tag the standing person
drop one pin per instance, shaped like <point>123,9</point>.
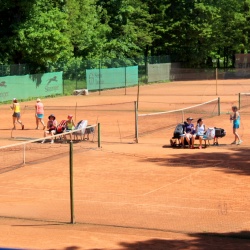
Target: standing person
<point>51,127</point>
<point>17,114</point>
<point>200,130</point>
<point>235,117</point>
<point>189,133</point>
<point>39,113</point>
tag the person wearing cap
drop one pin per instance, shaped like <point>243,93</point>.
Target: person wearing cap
<point>17,113</point>
<point>51,127</point>
<point>39,113</point>
<point>70,125</point>
<point>189,133</point>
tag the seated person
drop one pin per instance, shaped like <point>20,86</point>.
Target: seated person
<point>51,127</point>
<point>189,133</point>
<point>200,130</point>
<point>70,125</point>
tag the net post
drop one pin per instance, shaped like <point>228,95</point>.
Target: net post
<point>72,214</point>
<point>24,153</point>
<point>218,106</point>
<point>239,101</point>
<point>99,135</point>
<point>136,122</point>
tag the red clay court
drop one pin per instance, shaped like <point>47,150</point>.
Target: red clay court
<point>128,195</point>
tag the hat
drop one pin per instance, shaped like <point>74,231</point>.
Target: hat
<point>189,118</point>
<point>52,116</point>
<point>14,99</point>
<point>38,99</point>
<point>70,116</point>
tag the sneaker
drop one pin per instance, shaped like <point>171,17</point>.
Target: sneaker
<point>239,142</point>
<point>234,142</point>
<point>192,147</point>
<point>22,127</point>
<point>200,147</point>
<point>52,141</point>
<point>42,141</point>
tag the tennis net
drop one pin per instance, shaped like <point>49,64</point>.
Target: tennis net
<point>152,122</point>
<point>243,100</point>
<point>18,154</point>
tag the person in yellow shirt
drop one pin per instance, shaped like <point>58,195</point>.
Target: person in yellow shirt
<point>17,114</point>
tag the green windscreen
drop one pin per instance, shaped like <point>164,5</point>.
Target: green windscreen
<point>28,86</point>
<point>98,79</point>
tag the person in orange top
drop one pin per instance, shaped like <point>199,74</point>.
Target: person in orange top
<point>39,113</point>
<point>17,114</point>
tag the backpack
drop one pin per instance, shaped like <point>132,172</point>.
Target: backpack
<point>61,127</point>
<point>219,132</point>
<point>210,134</point>
<point>179,130</point>
<point>81,125</point>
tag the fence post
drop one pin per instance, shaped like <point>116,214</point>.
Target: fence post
<point>72,213</point>
<point>136,123</point>
<point>99,77</point>
<point>99,135</point>
<point>218,105</point>
<point>239,101</point>
<point>216,76</point>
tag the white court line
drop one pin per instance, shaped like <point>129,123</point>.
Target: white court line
<point>157,189</point>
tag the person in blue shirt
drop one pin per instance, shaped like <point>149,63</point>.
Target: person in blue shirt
<point>235,117</point>
<point>189,133</point>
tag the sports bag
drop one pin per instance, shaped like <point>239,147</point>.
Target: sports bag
<point>61,127</point>
<point>210,134</point>
<point>220,132</point>
<point>82,126</point>
<point>179,130</point>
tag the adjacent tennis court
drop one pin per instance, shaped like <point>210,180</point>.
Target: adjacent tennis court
<point>126,185</point>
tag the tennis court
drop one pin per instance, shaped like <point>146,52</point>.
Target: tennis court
<point>126,188</point>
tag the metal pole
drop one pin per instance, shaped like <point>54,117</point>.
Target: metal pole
<point>218,105</point>
<point>71,183</point>
<point>125,80</point>
<point>239,101</point>
<point>216,73</point>
<point>136,123</point>
<point>24,153</point>
<point>99,77</point>
<point>99,135</point>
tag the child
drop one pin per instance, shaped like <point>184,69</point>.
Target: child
<point>51,127</point>
<point>235,117</point>
<point>70,125</point>
<point>17,114</point>
<point>200,130</point>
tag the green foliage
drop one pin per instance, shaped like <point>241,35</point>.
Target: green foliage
<point>45,33</point>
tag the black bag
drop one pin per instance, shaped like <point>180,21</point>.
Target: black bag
<point>179,130</point>
<point>220,132</point>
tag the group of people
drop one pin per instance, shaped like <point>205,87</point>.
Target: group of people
<point>50,127</point>
<point>192,132</point>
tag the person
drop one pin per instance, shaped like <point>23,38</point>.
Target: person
<point>189,133</point>
<point>39,113</point>
<point>70,125</point>
<point>51,128</point>
<point>17,113</point>
<point>235,117</point>
<point>200,130</point>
